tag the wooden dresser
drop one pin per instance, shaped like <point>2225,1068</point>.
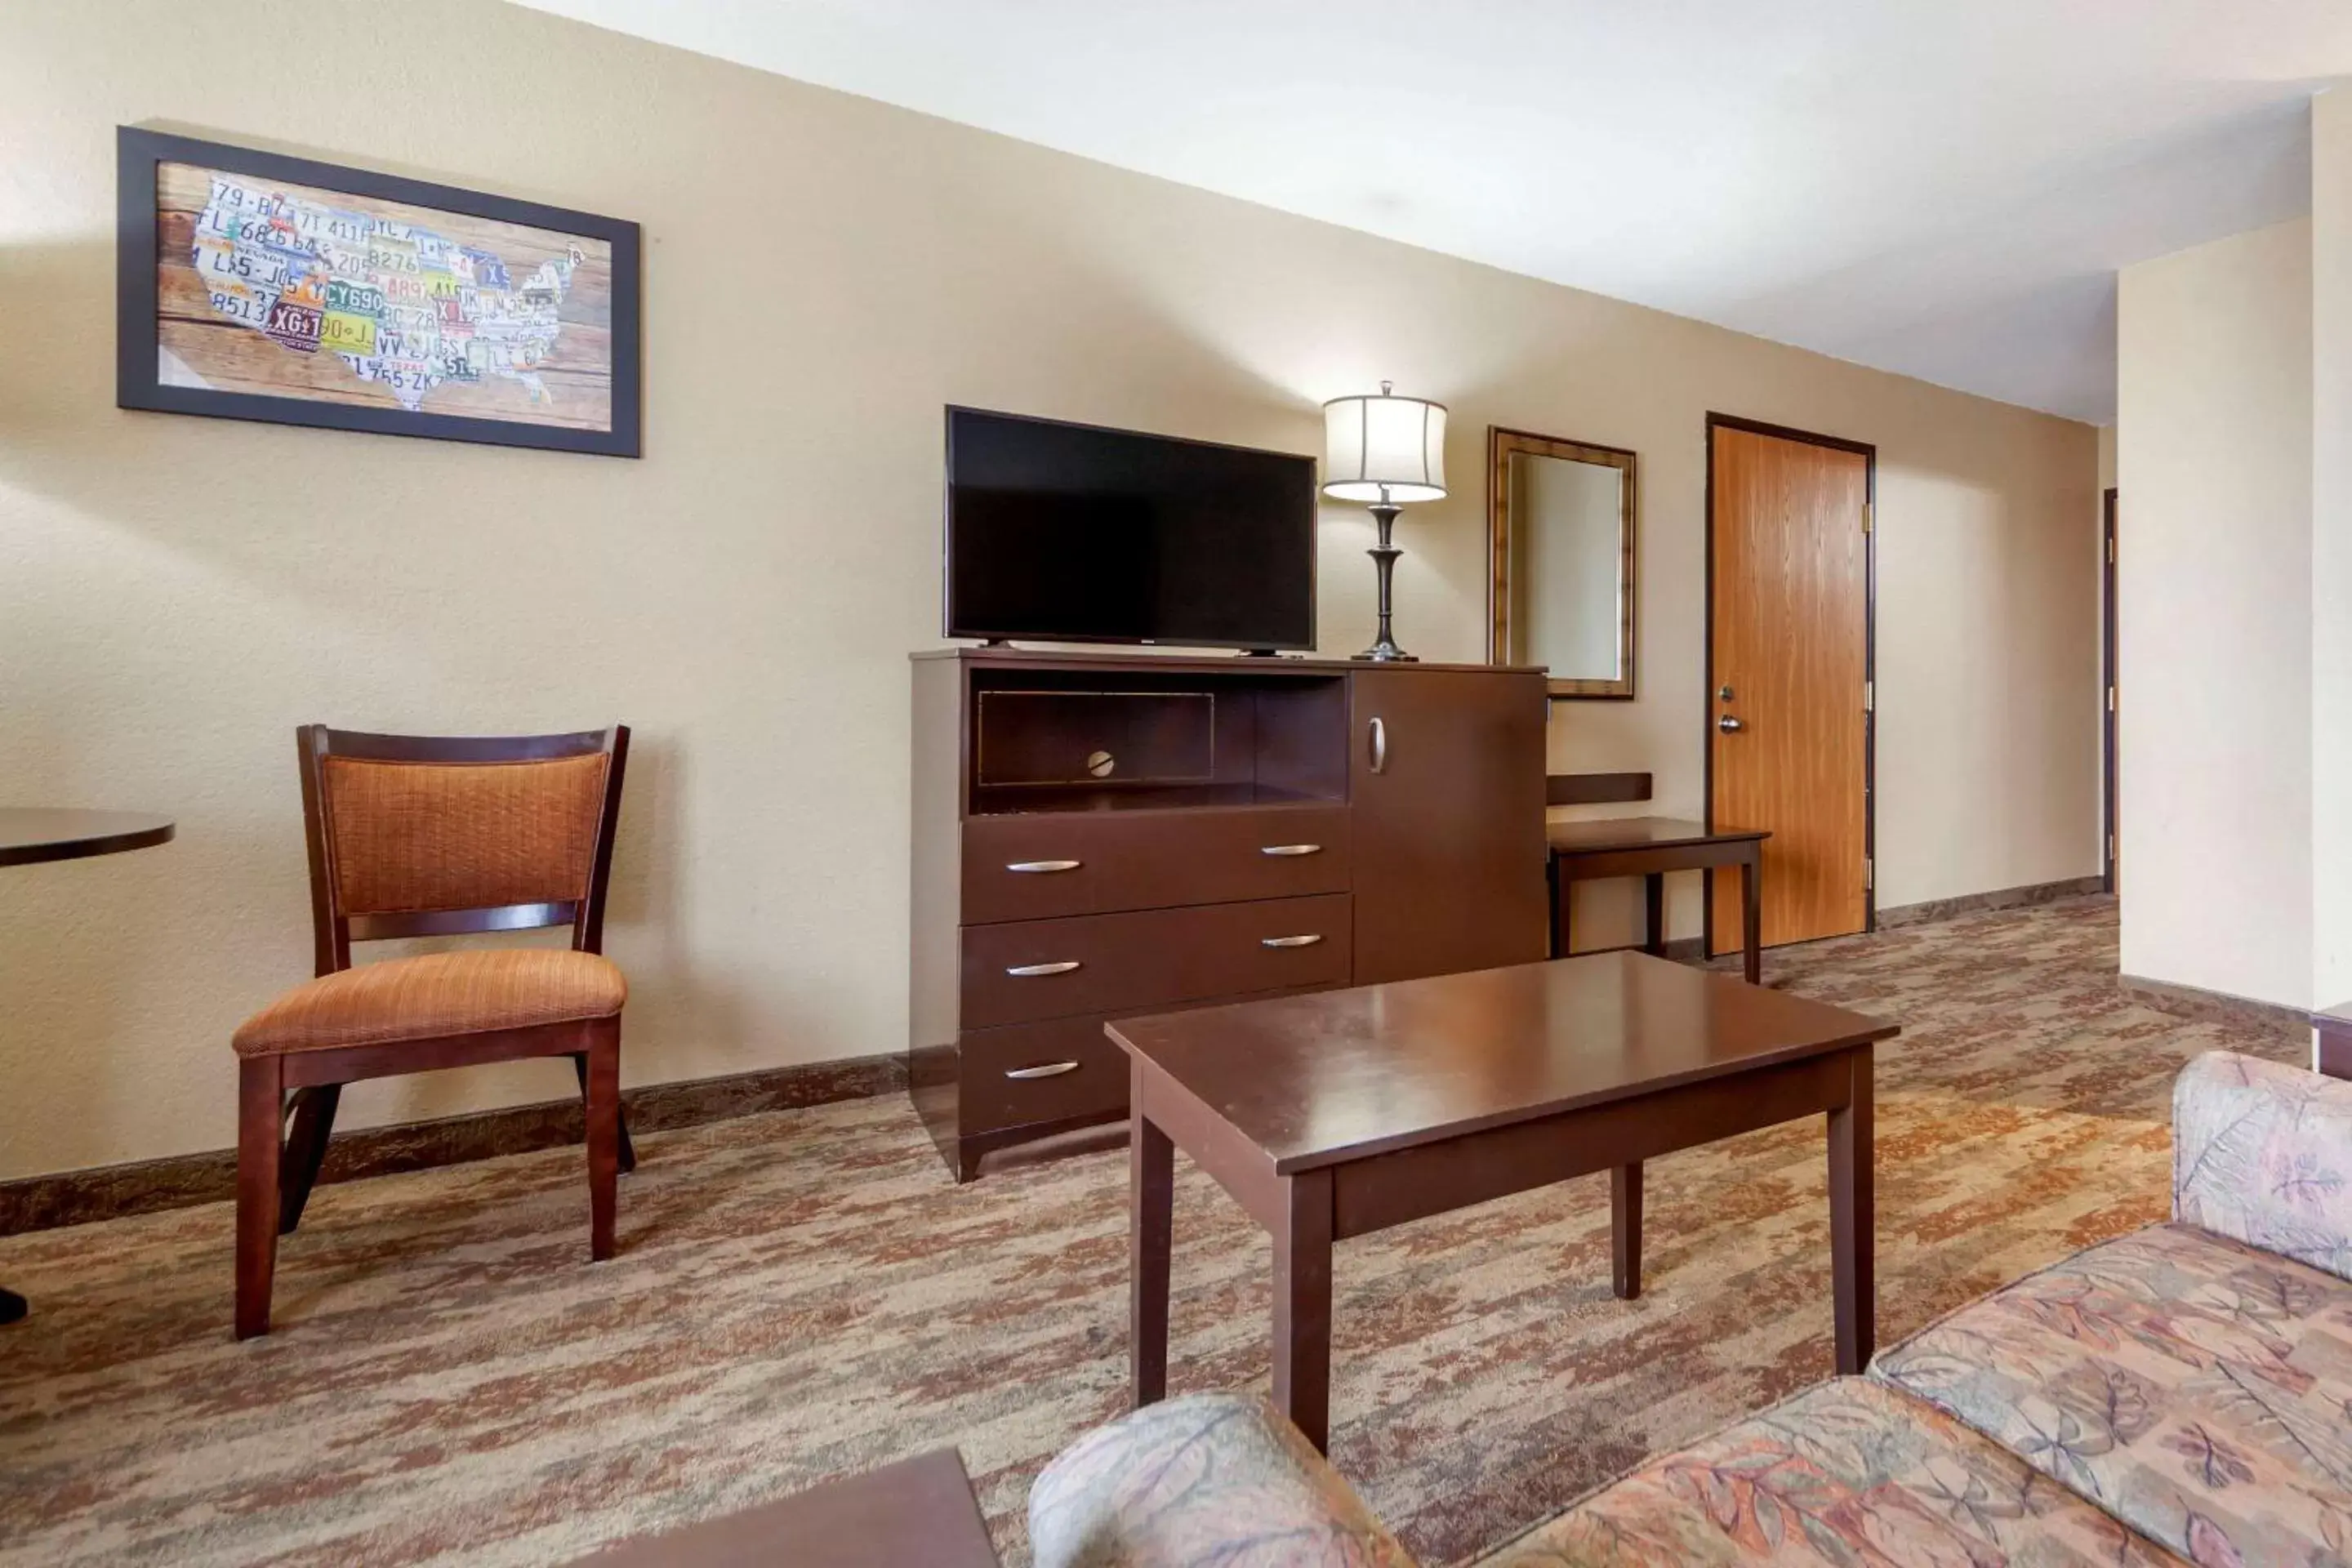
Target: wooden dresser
<point>1101,835</point>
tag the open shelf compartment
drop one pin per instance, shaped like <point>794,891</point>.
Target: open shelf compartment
<point>1086,740</point>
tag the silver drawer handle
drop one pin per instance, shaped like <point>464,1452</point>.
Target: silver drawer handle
<point>1044,1070</point>
<point>1292,849</point>
<point>1025,970</point>
<point>1307,941</point>
<point>1037,866</point>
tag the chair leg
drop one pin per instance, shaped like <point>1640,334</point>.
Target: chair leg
<point>260,1102</point>
<point>305,1150</point>
<point>628,1150</point>
<point>601,1069</point>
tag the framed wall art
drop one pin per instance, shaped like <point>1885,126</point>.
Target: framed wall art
<point>258,285</point>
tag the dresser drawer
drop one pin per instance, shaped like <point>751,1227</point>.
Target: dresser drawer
<point>1035,866</point>
<point>1046,864</point>
<point>1034,970</point>
<point>1028,1073</point>
<point>1214,856</point>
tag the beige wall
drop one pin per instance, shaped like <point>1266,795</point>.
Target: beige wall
<point>822,274</point>
<point>2331,544</point>
<point>2214,465</point>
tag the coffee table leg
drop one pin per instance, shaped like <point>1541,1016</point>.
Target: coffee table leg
<point>1625,1230</point>
<point>1556,891</point>
<point>1302,1307</point>
<point>13,1307</point>
<point>1654,906</point>
<point>1751,914</point>
<point>1852,1237</point>
<point>1151,1170</point>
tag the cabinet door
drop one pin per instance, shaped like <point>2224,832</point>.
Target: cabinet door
<point>1446,784</point>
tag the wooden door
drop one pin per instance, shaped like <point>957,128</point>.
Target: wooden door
<point>1446,791</point>
<point>1787,698</point>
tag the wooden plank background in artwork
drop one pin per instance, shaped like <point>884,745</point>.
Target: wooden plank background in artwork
<point>232,358</point>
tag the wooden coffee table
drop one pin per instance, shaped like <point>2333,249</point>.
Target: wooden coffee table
<point>1336,1115</point>
<point>917,1513</point>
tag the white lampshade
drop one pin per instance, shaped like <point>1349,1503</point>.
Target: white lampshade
<point>1384,449</point>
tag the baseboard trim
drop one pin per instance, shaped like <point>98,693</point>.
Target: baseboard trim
<point>115,1192</point>
<point>2216,1006</point>
<point>1999,899</point>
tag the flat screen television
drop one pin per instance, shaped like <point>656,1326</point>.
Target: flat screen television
<point>1062,532</point>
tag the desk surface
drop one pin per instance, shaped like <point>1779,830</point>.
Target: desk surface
<point>1639,833</point>
<point>916,1512</point>
<point>33,833</point>
<point>1340,1076</point>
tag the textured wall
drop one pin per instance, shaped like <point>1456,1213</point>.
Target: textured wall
<point>2331,545</point>
<point>822,274</point>
<point>2214,473</point>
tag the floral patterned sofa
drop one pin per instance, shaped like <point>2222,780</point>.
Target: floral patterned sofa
<point>2180,1394</point>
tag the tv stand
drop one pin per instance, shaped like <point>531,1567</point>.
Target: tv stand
<point>1103,836</point>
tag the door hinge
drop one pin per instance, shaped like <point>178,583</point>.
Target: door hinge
<point>2111,551</point>
<point>1870,696</point>
<point>1869,516</point>
<point>1869,875</point>
<point>2111,698</point>
<point>2111,846</point>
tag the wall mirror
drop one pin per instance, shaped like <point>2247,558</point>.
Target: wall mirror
<point>1560,549</point>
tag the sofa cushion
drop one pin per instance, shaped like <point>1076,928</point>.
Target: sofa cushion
<point>2192,1386</point>
<point>1204,1479</point>
<point>1848,1472</point>
<point>2262,1153</point>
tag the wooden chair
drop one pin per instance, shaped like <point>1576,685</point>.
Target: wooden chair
<point>417,835</point>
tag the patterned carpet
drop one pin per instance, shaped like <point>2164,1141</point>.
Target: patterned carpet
<point>804,1293</point>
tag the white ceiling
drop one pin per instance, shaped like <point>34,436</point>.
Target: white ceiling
<point>1940,187</point>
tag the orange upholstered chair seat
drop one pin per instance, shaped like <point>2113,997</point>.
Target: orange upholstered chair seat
<point>438,994</point>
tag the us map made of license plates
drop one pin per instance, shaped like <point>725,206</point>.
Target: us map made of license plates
<point>405,307</point>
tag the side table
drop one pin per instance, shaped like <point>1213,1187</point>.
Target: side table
<point>33,834</point>
<point>1649,847</point>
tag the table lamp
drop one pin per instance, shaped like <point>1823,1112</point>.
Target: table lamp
<point>1384,451</point>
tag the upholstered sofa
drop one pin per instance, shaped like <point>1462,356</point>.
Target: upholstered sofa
<point>2180,1394</point>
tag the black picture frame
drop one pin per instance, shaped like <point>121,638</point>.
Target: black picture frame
<point>138,306</point>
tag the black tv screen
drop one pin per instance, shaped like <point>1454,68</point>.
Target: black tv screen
<point>1072,534</point>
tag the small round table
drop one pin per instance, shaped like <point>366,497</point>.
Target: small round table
<point>31,834</point>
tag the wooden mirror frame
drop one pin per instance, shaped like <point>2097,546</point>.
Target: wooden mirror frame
<point>1501,445</point>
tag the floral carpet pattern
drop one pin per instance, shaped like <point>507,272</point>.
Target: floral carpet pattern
<point>803,1294</point>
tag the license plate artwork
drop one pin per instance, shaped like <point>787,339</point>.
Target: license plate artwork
<point>305,293</point>
<point>407,309</point>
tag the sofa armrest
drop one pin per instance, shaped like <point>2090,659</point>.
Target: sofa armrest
<point>2262,1153</point>
<point>1206,1478</point>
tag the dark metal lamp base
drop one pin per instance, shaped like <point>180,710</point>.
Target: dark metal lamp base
<point>1384,558</point>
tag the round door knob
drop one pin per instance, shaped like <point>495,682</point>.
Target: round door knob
<point>1728,723</point>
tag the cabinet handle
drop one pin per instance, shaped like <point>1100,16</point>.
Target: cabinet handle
<point>1026,969</point>
<point>1379,746</point>
<point>1038,866</point>
<point>1291,849</point>
<point>1044,1070</point>
<point>1307,941</point>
